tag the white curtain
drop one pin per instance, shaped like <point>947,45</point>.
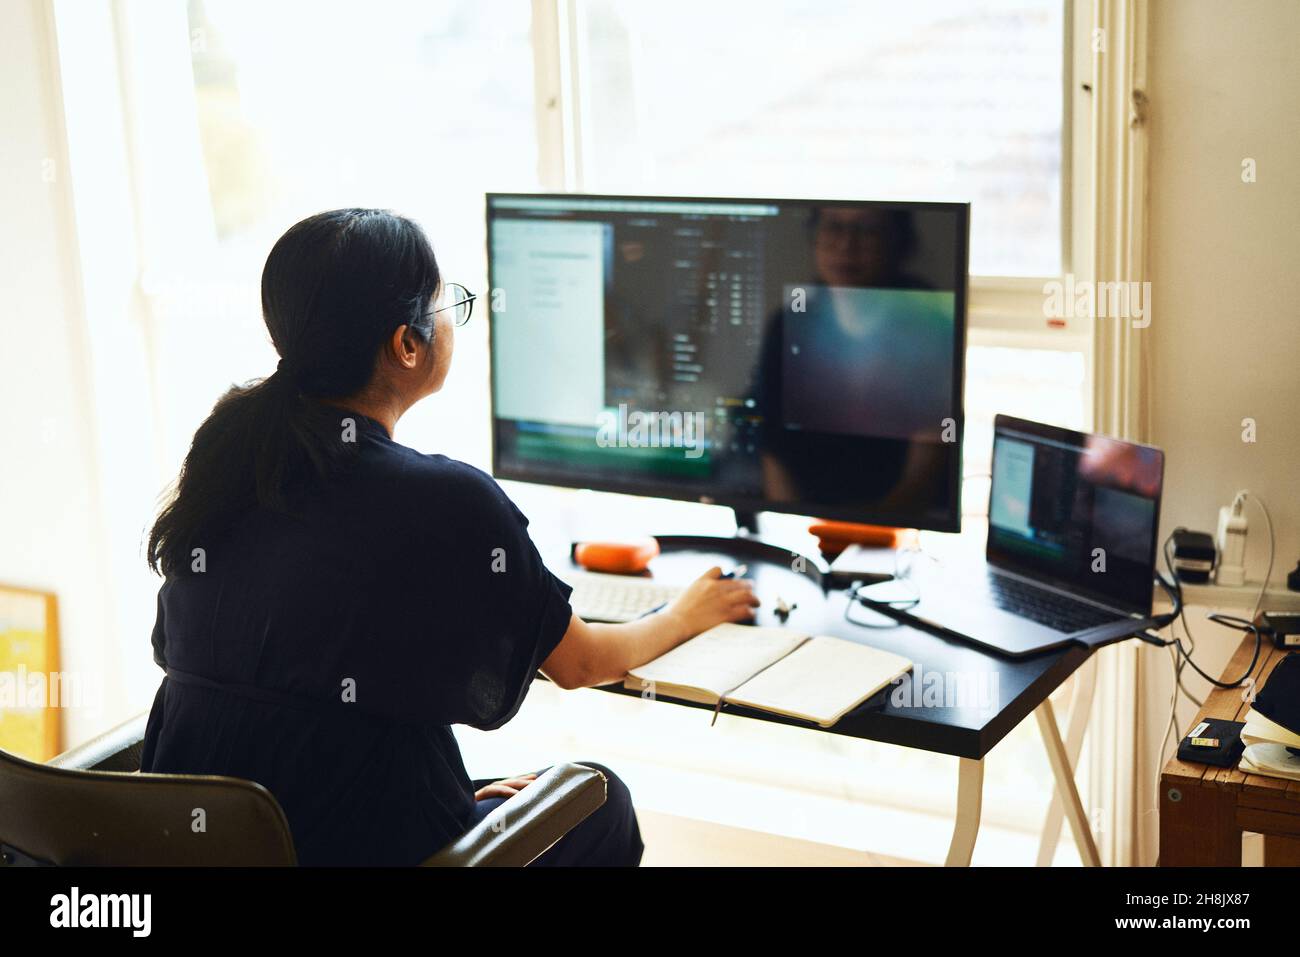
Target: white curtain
<point>1118,41</point>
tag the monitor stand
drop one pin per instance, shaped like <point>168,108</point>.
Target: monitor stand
<point>746,546</point>
<point>746,522</point>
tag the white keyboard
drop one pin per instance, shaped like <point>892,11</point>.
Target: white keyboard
<point>616,598</point>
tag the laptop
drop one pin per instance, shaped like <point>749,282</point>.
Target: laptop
<point>1071,552</point>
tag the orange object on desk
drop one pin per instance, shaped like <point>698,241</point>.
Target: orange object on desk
<point>620,558</point>
<point>834,537</point>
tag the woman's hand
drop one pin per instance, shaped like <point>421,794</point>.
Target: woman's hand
<point>593,653</point>
<point>711,600</point>
<point>505,788</point>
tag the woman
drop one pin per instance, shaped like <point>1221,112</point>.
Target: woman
<point>335,601</point>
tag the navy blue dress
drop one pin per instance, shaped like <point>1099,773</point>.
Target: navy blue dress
<point>326,652</point>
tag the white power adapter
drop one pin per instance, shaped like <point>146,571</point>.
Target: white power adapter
<point>1231,540</point>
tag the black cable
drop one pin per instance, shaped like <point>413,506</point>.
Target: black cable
<point>887,622</point>
<point>1228,621</point>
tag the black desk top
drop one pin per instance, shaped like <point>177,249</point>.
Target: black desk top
<point>950,719</point>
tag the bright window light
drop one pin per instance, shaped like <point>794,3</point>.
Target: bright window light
<point>842,99</point>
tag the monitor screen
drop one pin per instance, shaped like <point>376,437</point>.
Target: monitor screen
<point>1075,509</point>
<point>784,355</point>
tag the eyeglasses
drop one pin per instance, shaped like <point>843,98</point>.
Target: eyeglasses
<point>459,300</point>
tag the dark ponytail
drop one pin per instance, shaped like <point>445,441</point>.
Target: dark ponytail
<point>334,288</point>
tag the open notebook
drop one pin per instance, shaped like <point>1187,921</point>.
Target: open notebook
<point>818,679</point>
<point>1272,731</point>
<point>1270,748</point>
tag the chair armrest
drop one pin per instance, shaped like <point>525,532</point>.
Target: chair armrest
<point>117,749</point>
<point>522,828</point>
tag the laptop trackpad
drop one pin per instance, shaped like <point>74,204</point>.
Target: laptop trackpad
<point>989,626</point>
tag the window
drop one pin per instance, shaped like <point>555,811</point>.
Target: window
<point>842,99</point>
<point>438,104</point>
<point>309,106</point>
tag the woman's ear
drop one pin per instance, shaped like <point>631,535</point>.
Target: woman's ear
<point>404,346</point>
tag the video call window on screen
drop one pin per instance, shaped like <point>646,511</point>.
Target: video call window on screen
<point>814,349</point>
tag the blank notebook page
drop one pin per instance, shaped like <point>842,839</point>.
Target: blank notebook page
<point>720,658</point>
<point>822,680</point>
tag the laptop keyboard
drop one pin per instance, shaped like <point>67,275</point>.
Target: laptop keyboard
<point>1046,607</point>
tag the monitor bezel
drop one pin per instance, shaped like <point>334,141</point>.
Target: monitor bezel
<point>739,503</point>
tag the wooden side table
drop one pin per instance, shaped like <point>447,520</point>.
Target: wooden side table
<point>1204,810</point>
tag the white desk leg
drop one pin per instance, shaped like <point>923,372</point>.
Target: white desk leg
<point>1065,788</point>
<point>970,795</point>
<point>1085,684</point>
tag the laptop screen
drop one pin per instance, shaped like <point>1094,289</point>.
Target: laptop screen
<point>1077,511</point>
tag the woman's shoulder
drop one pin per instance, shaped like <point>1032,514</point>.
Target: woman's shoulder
<point>457,487</point>
<point>423,467</point>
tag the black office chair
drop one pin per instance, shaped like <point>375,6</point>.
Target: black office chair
<point>92,806</point>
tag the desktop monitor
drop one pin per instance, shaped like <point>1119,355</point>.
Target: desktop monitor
<point>800,356</point>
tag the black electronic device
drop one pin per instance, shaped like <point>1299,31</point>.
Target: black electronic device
<point>801,356</point>
<point>1214,741</point>
<point>1284,626</point>
<point>1194,555</point>
<point>1071,548</point>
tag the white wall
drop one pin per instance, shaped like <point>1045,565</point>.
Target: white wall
<point>1225,284</point>
<point>52,534</point>
<point>1224,76</point>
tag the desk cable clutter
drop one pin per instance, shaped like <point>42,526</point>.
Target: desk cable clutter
<point>1222,746</point>
<point>1175,591</point>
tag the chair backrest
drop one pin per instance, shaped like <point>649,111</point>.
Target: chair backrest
<point>53,815</point>
<point>87,807</point>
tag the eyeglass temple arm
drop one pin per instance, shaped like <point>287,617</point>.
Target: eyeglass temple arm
<point>453,305</point>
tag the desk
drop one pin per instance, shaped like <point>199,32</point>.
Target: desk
<point>1203,810</point>
<point>966,732</point>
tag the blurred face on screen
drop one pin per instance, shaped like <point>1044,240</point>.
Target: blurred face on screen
<point>851,247</point>
<point>1131,467</point>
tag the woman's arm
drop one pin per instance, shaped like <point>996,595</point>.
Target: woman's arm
<point>592,654</point>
